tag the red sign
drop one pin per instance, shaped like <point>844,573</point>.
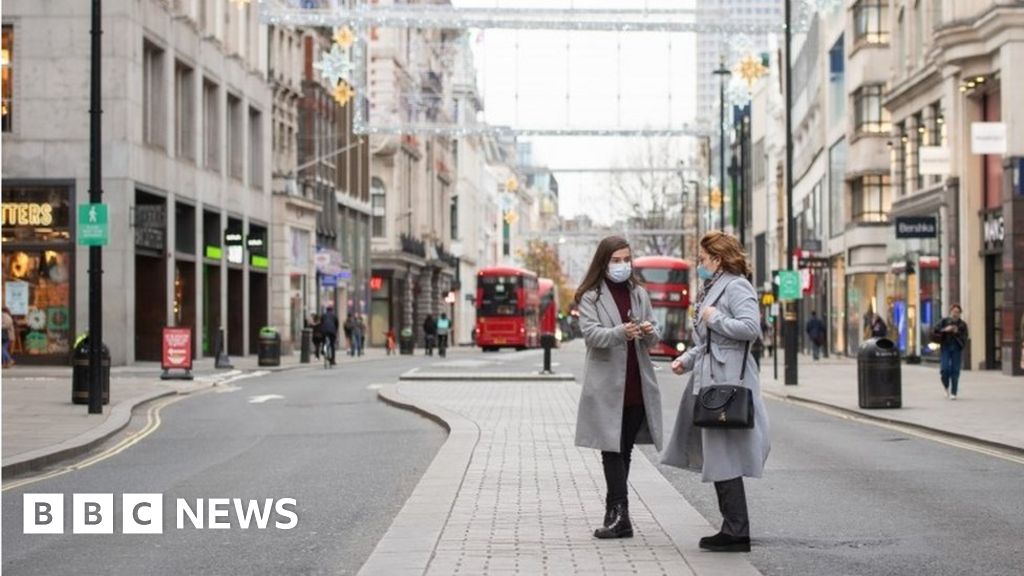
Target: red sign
<point>177,349</point>
<point>376,283</point>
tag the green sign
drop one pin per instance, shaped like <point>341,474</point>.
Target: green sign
<point>93,225</point>
<point>789,285</point>
<point>260,261</point>
<point>214,252</point>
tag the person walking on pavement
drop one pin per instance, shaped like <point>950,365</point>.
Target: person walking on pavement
<point>318,335</point>
<point>951,334</point>
<point>816,333</point>
<point>443,327</point>
<point>878,327</point>
<point>620,404</point>
<point>429,334</point>
<point>358,335</point>
<point>8,337</point>
<point>726,312</point>
<point>329,328</point>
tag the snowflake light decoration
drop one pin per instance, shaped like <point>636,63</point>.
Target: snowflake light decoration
<point>335,65</point>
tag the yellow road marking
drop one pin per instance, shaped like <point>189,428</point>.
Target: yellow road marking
<point>903,429</point>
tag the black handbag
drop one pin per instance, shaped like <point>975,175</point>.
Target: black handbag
<point>725,405</point>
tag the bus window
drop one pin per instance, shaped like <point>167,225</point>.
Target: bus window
<point>663,276</point>
<point>499,295</point>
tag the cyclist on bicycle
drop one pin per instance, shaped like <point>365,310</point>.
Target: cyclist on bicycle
<point>329,329</point>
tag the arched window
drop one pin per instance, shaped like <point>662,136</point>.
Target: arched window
<point>377,204</point>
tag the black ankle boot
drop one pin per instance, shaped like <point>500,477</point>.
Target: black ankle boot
<point>619,525</point>
<point>723,542</point>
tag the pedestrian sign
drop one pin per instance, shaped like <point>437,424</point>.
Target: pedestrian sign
<point>93,225</point>
<point>789,285</point>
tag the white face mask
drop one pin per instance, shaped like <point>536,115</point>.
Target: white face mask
<point>620,271</point>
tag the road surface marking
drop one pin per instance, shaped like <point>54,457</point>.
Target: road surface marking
<point>264,398</point>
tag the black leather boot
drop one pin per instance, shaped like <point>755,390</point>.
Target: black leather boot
<point>619,526</point>
<point>609,515</point>
<point>723,542</point>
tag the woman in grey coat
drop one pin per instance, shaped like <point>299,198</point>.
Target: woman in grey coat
<point>727,308</point>
<point>620,404</point>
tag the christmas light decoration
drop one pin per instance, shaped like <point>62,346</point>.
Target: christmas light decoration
<point>343,93</point>
<point>335,65</point>
<point>344,37</point>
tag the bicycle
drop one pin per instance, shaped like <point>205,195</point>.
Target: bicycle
<point>327,352</point>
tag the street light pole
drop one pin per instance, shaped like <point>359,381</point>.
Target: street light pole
<point>95,197</point>
<point>723,74</point>
<point>790,324</point>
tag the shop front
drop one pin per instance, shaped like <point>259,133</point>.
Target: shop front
<point>914,285</point>
<point>39,270</point>
<point>993,234</point>
<point>259,283</point>
<point>865,296</point>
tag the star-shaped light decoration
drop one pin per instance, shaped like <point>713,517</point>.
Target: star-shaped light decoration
<point>511,185</point>
<point>344,37</point>
<point>335,65</point>
<point>750,69</point>
<point>343,93</point>
<point>511,218</point>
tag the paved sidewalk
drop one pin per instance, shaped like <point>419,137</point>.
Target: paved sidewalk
<point>509,493</point>
<point>988,407</point>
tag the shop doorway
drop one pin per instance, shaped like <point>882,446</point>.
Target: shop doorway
<point>150,309</point>
<point>258,303</point>
<point>211,308</point>
<point>994,312</point>
<point>236,312</point>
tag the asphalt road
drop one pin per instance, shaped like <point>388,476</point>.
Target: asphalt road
<point>324,439</point>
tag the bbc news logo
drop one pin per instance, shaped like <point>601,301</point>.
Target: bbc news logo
<point>144,514</point>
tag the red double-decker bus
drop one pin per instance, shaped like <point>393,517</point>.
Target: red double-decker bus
<point>548,308</point>
<point>668,282</point>
<point>507,308</point>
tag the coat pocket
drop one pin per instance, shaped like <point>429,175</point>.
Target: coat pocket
<point>601,354</point>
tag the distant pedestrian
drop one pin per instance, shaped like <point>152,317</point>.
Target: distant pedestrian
<point>389,338</point>
<point>878,327</point>
<point>318,335</point>
<point>951,334</point>
<point>443,327</point>
<point>620,404</point>
<point>349,343</point>
<point>8,337</point>
<point>358,335</point>
<point>816,334</point>
<point>429,334</point>
<point>726,312</point>
<point>329,328</point>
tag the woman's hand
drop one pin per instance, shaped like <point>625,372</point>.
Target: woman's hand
<point>677,367</point>
<point>632,330</point>
<point>646,328</point>
<point>707,312</point>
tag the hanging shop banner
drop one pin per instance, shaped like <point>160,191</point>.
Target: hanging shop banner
<point>177,349</point>
<point>988,138</point>
<point>933,161</point>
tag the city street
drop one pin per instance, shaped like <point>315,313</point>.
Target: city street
<point>839,496</point>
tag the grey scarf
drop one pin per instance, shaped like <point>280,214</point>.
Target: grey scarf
<point>698,305</point>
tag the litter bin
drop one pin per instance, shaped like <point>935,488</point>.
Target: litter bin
<point>879,383</point>
<point>405,341</point>
<point>269,350</point>
<point>307,345</point>
<point>80,372</point>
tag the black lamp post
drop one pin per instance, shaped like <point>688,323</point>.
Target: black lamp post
<point>790,324</point>
<point>723,74</point>
<point>95,197</point>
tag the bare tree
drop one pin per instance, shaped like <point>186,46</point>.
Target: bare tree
<point>652,200</point>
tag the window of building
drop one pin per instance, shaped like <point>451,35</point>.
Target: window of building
<point>7,71</point>
<point>377,206</point>
<point>901,46</point>
<point>255,148</point>
<point>871,198</point>
<point>870,117</point>
<point>896,162</point>
<point>184,112</point>
<point>454,216</point>
<point>837,187</point>
<point>211,127</point>
<point>917,139</point>
<point>870,22</point>
<point>152,94</point>
<point>837,81</point>
<point>235,132</point>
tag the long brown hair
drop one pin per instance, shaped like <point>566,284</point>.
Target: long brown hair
<point>728,251</point>
<point>598,266</point>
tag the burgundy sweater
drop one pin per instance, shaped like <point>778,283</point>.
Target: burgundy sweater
<point>634,395</point>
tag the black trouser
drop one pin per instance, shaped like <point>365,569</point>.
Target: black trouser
<point>616,464</point>
<point>442,344</point>
<point>732,503</point>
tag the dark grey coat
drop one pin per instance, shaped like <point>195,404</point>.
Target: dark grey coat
<point>599,418</point>
<point>722,454</point>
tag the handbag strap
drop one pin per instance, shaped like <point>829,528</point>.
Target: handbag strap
<point>746,348</point>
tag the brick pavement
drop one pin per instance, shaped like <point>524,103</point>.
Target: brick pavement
<point>517,496</point>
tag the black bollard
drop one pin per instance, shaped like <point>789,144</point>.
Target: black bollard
<point>222,359</point>
<point>307,345</point>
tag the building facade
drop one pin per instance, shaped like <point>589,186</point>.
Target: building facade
<point>186,175</point>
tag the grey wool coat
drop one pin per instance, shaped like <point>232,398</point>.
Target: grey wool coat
<point>718,453</point>
<point>599,418</point>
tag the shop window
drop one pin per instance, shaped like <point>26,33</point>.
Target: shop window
<point>38,270</point>
<point>870,22</point>
<point>7,71</point>
<point>871,198</point>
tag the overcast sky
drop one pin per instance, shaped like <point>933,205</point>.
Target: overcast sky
<point>586,80</point>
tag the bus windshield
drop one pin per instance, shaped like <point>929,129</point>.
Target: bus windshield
<point>663,276</point>
<point>498,296</point>
<point>672,322</point>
